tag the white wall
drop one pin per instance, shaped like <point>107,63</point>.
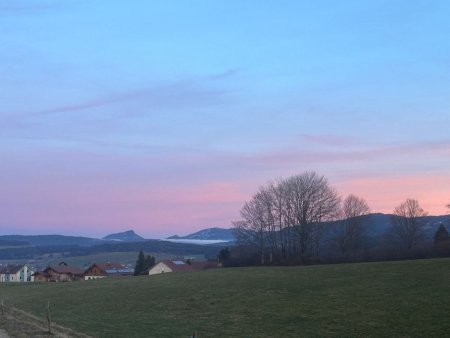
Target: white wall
<point>22,276</point>
<point>159,268</point>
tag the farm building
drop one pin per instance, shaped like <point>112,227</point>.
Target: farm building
<point>179,265</point>
<point>59,273</point>
<point>169,266</point>
<point>18,273</point>
<point>41,276</point>
<point>101,270</point>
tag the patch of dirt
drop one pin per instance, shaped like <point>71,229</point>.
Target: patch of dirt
<point>19,324</point>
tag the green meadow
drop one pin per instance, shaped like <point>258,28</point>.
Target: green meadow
<point>390,299</point>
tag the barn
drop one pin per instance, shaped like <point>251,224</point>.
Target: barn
<point>102,270</point>
<point>59,273</point>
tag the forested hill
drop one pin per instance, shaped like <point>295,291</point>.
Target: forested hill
<point>153,246</point>
<point>51,240</point>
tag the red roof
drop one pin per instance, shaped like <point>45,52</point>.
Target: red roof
<point>109,266</point>
<point>72,270</point>
<point>177,265</point>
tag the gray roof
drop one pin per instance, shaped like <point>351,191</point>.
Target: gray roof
<point>11,268</point>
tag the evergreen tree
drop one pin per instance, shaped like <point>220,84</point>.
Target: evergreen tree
<point>149,262</point>
<point>441,235</point>
<point>140,264</point>
<point>224,255</point>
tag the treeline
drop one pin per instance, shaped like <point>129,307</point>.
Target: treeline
<point>303,220</point>
<point>155,246</point>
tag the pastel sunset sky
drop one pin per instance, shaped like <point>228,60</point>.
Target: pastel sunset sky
<point>165,116</point>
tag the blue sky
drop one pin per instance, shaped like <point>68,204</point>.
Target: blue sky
<point>167,116</point>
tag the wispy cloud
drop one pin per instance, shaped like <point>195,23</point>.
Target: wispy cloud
<point>179,94</point>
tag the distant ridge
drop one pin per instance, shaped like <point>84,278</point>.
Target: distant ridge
<point>126,236</point>
<point>209,234</point>
<point>377,225</point>
<point>51,240</point>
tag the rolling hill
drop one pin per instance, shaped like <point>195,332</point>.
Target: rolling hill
<point>52,240</point>
<point>390,299</point>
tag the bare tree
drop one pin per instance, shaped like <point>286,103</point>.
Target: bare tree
<point>256,221</point>
<point>407,224</point>
<point>279,235</point>
<point>284,219</point>
<point>310,201</point>
<point>351,232</point>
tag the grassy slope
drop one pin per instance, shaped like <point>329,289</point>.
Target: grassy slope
<point>401,299</point>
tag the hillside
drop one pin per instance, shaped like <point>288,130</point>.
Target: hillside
<point>126,236</point>
<point>52,240</point>
<point>393,299</point>
<point>377,224</point>
<point>153,246</point>
<point>209,234</point>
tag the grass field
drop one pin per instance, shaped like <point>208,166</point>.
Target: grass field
<point>394,299</point>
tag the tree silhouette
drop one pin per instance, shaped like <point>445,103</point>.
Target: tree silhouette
<point>407,224</point>
<point>149,262</point>
<point>441,235</point>
<point>140,264</point>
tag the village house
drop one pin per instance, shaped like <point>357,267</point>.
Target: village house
<point>169,266</point>
<point>177,266</point>
<point>16,273</point>
<point>58,273</point>
<point>102,270</point>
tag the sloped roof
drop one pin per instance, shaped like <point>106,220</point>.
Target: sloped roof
<point>111,268</point>
<point>11,268</point>
<point>65,269</point>
<point>177,265</point>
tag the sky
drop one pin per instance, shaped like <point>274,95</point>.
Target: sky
<point>166,116</point>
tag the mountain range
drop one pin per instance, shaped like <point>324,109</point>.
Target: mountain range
<point>377,225</point>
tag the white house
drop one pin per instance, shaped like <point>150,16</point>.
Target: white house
<point>169,266</point>
<point>179,265</point>
<point>16,273</point>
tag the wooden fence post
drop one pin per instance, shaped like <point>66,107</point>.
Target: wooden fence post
<point>49,320</point>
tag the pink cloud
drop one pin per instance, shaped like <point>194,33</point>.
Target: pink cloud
<point>180,191</point>
<point>385,193</point>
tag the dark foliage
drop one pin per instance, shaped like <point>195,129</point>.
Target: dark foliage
<point>141,264</point>
<point>156,246</point>
<point>149,261</point>
<point>441,235</point>
<point>224,255</point>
